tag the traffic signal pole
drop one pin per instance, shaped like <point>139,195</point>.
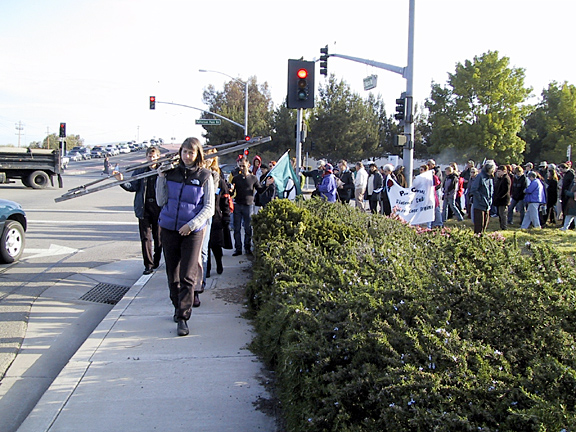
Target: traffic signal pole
<point>299,116</point>
<point>407,73</point>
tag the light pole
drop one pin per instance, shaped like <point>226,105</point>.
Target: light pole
<point>245,98</point>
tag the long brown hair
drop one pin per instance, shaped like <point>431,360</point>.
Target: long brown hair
<point>194,144</point>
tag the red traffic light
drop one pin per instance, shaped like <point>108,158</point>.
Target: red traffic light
<point>152,102</point>
<point>152,99</point>
<point>247,138</point>
<point>302,73</point>
<point>246,151</point>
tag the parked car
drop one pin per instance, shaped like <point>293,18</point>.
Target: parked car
<point>112,150</point>
<point>123,148</point>
<point>85,152</point>
<point>97,152</point>
<point>13,227</point>
<point>74,155</point>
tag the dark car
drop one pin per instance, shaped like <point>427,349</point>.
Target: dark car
<point>12,231</point>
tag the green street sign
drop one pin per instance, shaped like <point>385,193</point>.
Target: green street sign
<point>208,121</point>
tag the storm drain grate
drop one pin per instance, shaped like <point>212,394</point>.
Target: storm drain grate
<point>105,293</point>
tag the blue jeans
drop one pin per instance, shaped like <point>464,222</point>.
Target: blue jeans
<point>516,205</point>
<point>242,215</point>
<point>450,201</point>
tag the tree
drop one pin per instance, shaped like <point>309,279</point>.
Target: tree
<point>343,126</point>
<point>551,127</point>
<point>479,114</point>
<point>283,129</point>
<point>230,104</point>
<point>52,141</point>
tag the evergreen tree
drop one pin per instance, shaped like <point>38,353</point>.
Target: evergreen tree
<point>479,113</point>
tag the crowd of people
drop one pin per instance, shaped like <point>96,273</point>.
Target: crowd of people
<point>542,197</point>
<point>187,211</point>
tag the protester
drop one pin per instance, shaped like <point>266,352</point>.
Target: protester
<point>400,177</point>
<point>387,172</point>
<point>501,199</point>
<point>567,180</point>
<point>519,184</point>
<point>146,210</point>
<point>219,237</point>
<point>345,183</point>
<point>468,195</point>
<point>316,175</point>
<point>551,197</point>
<point>482,192</point>
<point>328,188</point>
<point>256,167</point>
<point>374,187</point>
<point>244,185</point>
<point>267,192</point>
<point>534,197</point>
<point>186,195</point>
<point>451,185</point>
<point>570,207</point>
<point>360,182</point>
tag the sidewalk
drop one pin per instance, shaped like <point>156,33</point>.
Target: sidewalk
<point>135,374</point>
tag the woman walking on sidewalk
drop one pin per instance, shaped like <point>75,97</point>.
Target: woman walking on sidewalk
<point>186,195</point>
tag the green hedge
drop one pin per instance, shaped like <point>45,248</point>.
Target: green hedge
<point>372,325</point>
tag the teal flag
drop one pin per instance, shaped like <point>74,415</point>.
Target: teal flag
<point>286,180</point>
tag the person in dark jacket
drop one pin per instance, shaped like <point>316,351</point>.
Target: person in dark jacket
<point>220,225</point>
<point>551,197</point>
<point>346,183</point>
<point>374,187</point>
<point>502,195</point>
<point>519,183</point>
<point>482,192</point>
<point>567,179</point>
<point>146,210</point>
<point>186,195</point>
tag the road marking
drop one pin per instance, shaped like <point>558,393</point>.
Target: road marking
<point>53,250</point>
<point>77,222</point>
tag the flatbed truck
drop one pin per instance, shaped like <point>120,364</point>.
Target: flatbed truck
<point>36,168</point>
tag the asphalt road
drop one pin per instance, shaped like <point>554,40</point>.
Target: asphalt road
<point>71,246</point>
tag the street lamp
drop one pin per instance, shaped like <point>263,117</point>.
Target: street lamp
<point>245,98</point>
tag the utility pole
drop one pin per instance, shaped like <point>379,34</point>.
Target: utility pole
<point>407,72</point>
<point>47,137</point>
<point>19,128</point>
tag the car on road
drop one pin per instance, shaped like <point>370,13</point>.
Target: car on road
<point>123,148</point>
<point>74,155</point>
<point>13,227</point>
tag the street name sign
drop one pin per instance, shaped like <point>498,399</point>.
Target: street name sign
<point>208,121</point>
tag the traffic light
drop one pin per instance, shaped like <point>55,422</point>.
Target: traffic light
<point>300,84</point>
<point>247,138</point>
<point>246,152</point>
<point>324,61</point>
<point>62,130</point>
<point>400,108</point>
<point>152,102</point>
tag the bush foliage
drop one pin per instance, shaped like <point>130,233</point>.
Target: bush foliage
<point>373,325</point>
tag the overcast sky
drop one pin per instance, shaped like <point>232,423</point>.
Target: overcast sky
<point>94,63</point>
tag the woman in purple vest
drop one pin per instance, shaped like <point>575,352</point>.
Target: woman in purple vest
<point>186,195</point>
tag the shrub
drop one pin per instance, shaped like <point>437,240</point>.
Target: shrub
<point>371,324</point>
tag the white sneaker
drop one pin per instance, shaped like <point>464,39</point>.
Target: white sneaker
<point>563,229</point>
